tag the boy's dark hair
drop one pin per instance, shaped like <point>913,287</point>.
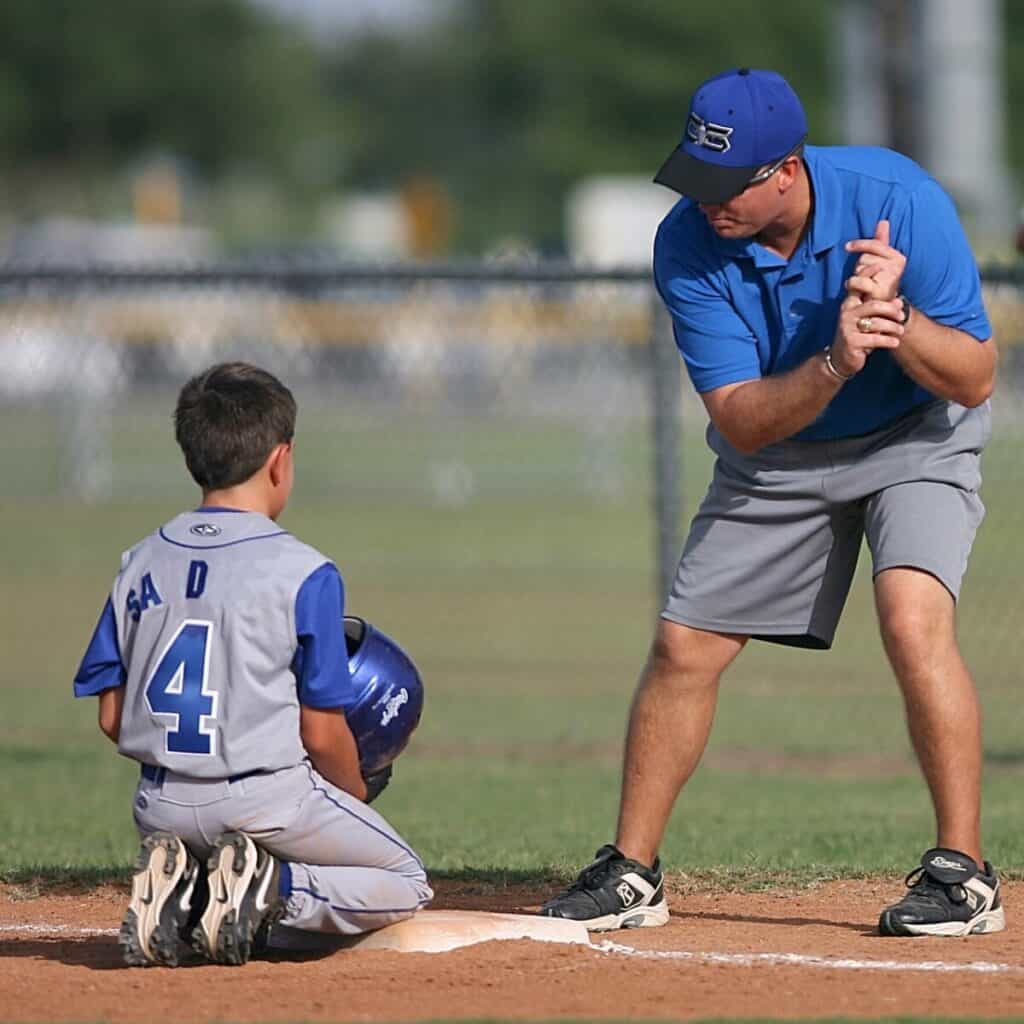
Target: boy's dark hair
<point>228,420</point>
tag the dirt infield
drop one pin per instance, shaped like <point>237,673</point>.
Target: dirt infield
<point>808,953</point>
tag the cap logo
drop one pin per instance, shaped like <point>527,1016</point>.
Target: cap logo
<point>708,134</point>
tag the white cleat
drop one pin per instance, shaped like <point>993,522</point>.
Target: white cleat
<point>162,887</point>
<point>244,900</point>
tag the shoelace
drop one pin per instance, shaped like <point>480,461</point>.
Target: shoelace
<point>931,889</point>
<point>593,873</point>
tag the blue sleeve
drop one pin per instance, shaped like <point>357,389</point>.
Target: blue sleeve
<point>101,668</point>
<point>321,658</point>
<point>716,344</point>
<point>941,277</point>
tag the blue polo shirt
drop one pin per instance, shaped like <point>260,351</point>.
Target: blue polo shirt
<point>741,312</point>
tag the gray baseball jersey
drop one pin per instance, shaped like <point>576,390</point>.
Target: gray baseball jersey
<point>219,626</point>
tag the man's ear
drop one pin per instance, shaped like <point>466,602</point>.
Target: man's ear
<point>788,174</point>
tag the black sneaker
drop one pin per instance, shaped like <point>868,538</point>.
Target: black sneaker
<point>243,902</point>
<point>158,911</point>
<point>948,895</point>
<point>613,892</point>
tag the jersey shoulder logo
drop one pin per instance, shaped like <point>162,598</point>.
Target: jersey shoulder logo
<point>205,530</point>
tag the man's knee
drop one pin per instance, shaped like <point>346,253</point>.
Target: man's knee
<point>908,632</point>
<point>689,656</point>
<point>916,618</point>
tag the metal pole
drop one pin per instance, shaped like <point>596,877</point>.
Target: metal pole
<point>963,54</point>
<point>859,41</point>
<point>666,429</point>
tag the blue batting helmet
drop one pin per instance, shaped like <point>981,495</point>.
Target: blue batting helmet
<point>389,695</point>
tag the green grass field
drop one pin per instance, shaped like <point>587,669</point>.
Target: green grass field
<point>528,608</point>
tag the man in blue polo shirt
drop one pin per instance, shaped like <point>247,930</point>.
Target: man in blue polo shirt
<point>829,312</point>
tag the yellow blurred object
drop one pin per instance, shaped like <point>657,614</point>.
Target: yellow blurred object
<point>428,215</point>
<point>157,195</point>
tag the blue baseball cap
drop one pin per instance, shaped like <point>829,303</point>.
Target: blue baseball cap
<point>739,121</point>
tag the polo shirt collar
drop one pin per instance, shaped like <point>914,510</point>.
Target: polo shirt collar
<point>826,223</point>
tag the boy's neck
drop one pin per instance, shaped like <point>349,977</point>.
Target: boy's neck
<point>239,499</point>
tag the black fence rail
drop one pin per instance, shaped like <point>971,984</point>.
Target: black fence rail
<point>449,360</point>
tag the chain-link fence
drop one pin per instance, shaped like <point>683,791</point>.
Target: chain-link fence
<point>436,386</point>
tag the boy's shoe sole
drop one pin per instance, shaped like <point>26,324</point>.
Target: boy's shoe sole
<point>243,902</point>
<point>162,887</point>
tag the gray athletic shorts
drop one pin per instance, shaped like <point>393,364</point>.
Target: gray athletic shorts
<point>772,549</point>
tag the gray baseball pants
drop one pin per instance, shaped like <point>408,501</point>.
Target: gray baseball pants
<point>351,871</point>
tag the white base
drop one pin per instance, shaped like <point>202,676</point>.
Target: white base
<point>436,931</point>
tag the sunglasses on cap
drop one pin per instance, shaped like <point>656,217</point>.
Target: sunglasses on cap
<point>769,171</point>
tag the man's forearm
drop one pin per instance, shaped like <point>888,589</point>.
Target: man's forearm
<point>761,412</point>
<point>947,362</point>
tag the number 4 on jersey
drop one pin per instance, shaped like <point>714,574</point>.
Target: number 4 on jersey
<point>177,689</point>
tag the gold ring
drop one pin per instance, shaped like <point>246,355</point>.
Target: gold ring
<point>864,325</point>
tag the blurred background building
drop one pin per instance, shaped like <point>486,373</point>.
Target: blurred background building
<point>428,129</point>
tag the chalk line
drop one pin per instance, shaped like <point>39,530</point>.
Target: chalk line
<point>70,931</point>
<point>617,949</point>
<point>803,960</point>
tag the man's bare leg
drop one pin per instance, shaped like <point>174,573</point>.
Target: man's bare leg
<point>916,617</point>
<point>669,723</point>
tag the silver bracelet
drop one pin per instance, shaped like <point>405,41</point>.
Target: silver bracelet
<point>831,367</point>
